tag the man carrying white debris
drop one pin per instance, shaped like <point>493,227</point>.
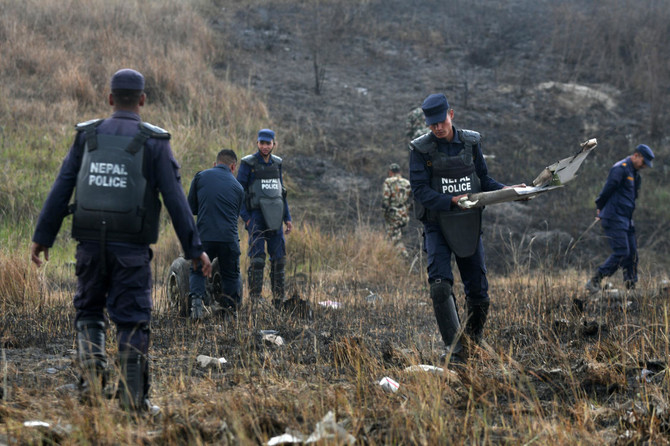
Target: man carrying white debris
<point>445,166</point>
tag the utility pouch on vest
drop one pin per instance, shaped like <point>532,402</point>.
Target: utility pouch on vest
<point>273,213</point>
<point>461,230</point>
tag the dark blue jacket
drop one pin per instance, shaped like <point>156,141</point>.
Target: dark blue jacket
<point>419,174</point>
<point>616,201</point>
<point>216,197</point>
<point>160,169</point>
<point>246,177</point>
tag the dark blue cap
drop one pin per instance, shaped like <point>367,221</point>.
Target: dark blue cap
<point>127,79</point>
<point>646,153</point>
<point>435,108</point>
<point>266,135</point>
<point>394,167</point>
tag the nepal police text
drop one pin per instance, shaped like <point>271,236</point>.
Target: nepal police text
<point>272,184</point>
<point>108,175</point>
<point>455,186</point>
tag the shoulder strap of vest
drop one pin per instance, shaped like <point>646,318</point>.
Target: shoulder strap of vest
<point>423,144</point>
<point>154,131</point>
<point>276,159</point>
<point>88,127</point>
<point>470,138</point>
<point>250,160</point>
<point>146,131</point>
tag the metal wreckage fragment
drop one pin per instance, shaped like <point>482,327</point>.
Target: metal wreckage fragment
<point>552,177</point>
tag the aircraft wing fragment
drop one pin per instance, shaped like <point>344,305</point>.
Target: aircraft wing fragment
<point>552,177</point>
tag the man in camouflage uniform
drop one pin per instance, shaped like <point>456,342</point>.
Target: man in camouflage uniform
<point>395,203</point>
<point>416,124</point>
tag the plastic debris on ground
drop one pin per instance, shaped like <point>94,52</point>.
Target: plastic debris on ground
<point>287,438</point>
<point>372,298</point>
<point>274,339</point>
<point>327,430</point>
<point>56,432</point>
<point>424,368</point>
<point>209,361</point>
<point>36,424</point>
<point>613,293</point>
<point>330,304</point>
<point>389,384</point>
<point>450,375</point>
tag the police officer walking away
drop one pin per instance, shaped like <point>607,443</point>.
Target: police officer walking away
<point>116,167</point>
<point>264,212</point>
<point>395,203</point>
<point>216,198</point>
<point>445,165</point>
<point>614,209</point>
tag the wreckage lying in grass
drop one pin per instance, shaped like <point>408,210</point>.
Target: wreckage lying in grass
<point>552,177</point>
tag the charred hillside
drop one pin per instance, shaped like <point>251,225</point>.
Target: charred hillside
<point>535,78</point>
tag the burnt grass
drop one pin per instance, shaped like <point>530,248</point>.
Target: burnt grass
<point>552,356</point>
<point>491,61</point>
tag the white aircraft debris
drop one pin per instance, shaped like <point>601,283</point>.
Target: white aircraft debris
<point>550,178</point>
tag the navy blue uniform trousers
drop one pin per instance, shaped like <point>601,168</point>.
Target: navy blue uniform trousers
<point>122,285</point>
<point>259,236</point>
<point>472,269</point>
<point>228,255</point>
<point>624,251</point>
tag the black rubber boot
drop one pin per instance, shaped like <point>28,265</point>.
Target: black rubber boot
<point>196,305</point>
<point>447,318</point>
<point>92,357</point>
<point>474,326</point>
<point>278,278</point>
<point>133,384</point>
<point>135,381</point>
<point>255,275</point>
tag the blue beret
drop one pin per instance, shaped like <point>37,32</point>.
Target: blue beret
<point>266,135</point>
<point>435,108</point>
<point>127,79</point>
<point>646,153</point>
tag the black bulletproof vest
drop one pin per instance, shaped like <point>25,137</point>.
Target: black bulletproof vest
<point>453,175</point>
<point>113,201</point>
<point>266,191</point>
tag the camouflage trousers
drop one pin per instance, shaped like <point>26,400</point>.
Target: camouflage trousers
<point>394,227</point>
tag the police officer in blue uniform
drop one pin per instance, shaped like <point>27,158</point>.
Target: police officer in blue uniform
<point>264,212</point>
<point>445,165</point>
<point>614,209</point>
<point>216,198</point>
<point>117,167</point>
